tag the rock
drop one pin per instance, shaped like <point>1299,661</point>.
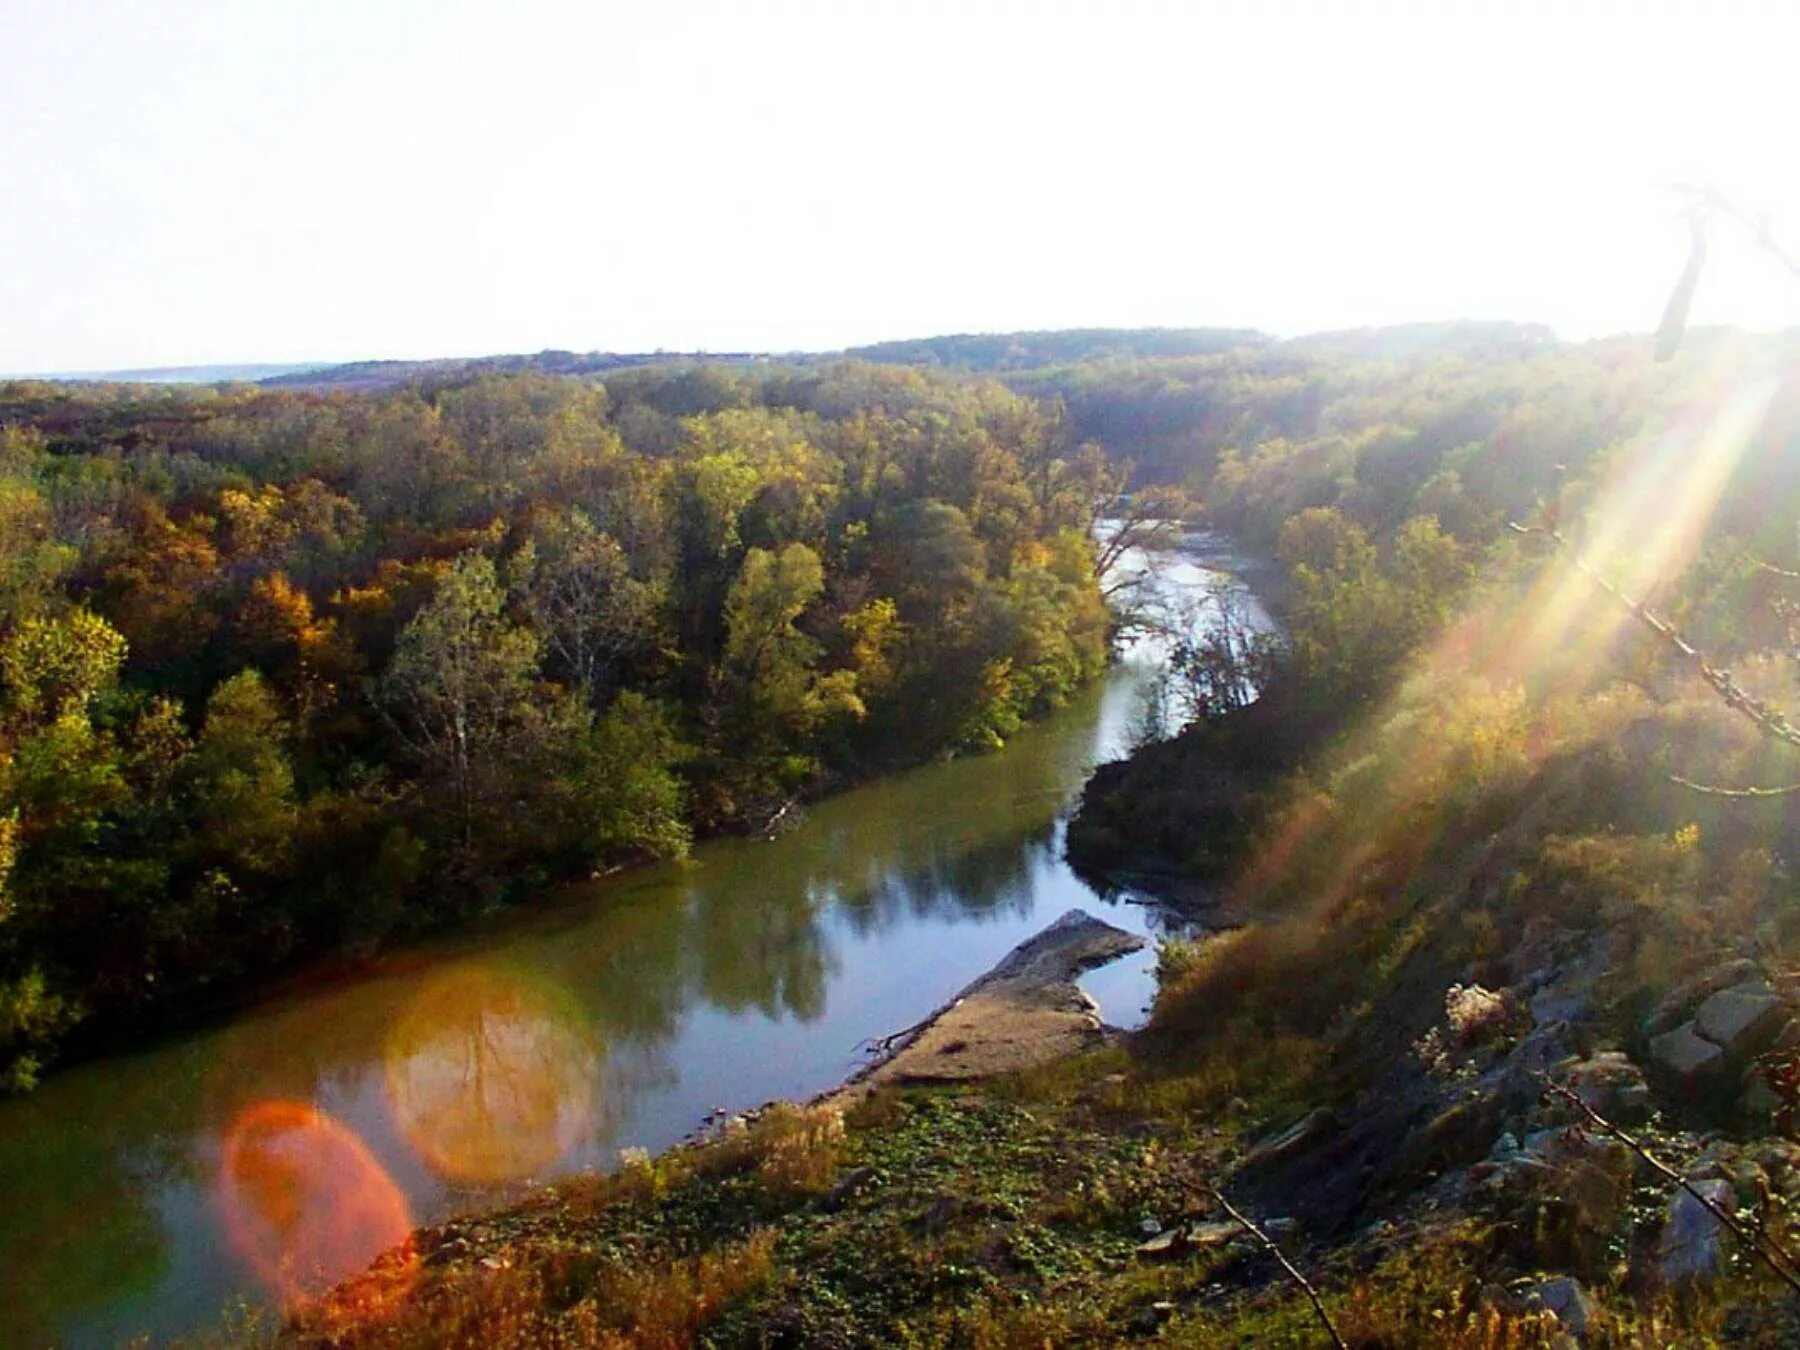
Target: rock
<point>1187,1238</point>
<point>1690,1250</point>
<point>1505,1148</point>
<point>1741,1020</point>
<point>1215,1234</point>
<point>1149,1227</point>
<point>1171,1242</point>
<point>1609,1083</point>
<point>1293,1141</point>
<point>852,1184</point>
<point>1679,1002</point>
<point>1685,1054</point>
<point>1563,1001</point>
<point>1572,1305</point>
<point>1565,1195</point>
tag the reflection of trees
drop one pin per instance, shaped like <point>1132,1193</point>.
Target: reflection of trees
<point>491,1078</point>
<point>76,1233</point>
<point>986,880</point>
<point>760,946</point>
<point>621,954</point>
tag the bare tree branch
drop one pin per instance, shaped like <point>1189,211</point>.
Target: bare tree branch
<point>1761,1244</point>
<point>1771,721</point>
<point>1267,1243</point>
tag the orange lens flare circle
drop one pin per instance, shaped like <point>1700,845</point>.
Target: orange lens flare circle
<point>304,1200</point>
<point>490,1076</point>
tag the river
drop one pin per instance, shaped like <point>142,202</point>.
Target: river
<point>146,1193</point>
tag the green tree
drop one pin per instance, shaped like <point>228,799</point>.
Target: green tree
<point>239,782</point>
<point>576,585</point>
<point>460,685</point>
<point>772,697</point>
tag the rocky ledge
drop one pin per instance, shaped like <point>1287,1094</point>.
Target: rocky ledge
<point>1027,1010</point>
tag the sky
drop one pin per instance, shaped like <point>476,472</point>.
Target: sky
<point>187,181</point>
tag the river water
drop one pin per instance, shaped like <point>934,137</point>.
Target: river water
<point>144,1194</point>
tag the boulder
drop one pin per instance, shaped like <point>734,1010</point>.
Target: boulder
<point>1741,1021</point>
<point>1296,1139</point>
<point>1691,1249</point>
<point>1679,1002</point>
<point>1572,1305</point>
<point>1609,1083</point>
<point>1686,1054</point>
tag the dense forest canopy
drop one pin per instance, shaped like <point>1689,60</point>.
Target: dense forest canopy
<point>289,673</point>
<point>293,671</point>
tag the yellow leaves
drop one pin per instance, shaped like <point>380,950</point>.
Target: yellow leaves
<point>876,632</point>
<point>53,667</point>
<point>1686,839</point>
<point>9,856</point>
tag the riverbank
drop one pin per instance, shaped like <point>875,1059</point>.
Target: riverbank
<point>1025,1011</point>
<point>1449,1067</point>
<point>619,1015</point>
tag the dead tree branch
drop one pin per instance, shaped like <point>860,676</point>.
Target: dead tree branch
<point>1771,721</point>
<point>1734,794</point>
<point>1761,1244</point>
<point>1267,1243</point>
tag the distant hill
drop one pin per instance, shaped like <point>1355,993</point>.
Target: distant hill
<point>1026,351</point>
<point>1484,338</point>
<point>220,374</point>
<point>364,375</point>
<point>1011,354</point>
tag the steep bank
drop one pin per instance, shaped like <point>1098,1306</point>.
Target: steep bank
<point>1184,810</point>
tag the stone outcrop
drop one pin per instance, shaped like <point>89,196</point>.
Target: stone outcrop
<point>1024,1011</point>
<point>1691,1248</point>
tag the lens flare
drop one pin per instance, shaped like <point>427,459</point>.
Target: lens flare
<point>305,1203</point>
<point>491,1076</point>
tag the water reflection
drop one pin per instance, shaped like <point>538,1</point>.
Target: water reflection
<point>491,1075</point>
<point>312,1131</point>
<point>769,956</point>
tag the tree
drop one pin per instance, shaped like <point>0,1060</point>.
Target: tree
<point>771,697</point>
<point>633,803</point>
<point>576,585</point>
<point>239,782</point>
<point>460,683</point>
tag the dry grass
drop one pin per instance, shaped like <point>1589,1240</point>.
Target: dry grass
<point>795,1150</point>
<point>560,1298</point>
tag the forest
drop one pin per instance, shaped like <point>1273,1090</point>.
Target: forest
<point>293,672</point>
<point>288,675</point>
<point>1491,1011</point>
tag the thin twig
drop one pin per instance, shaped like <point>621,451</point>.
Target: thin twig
<point>1735,794</point>
<point>1759,227</point>
<point>1769,720</point>
<point>1268,1244</point>
<point>1764,1246</point>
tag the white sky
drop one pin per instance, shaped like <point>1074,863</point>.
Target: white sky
<point>190,181</point>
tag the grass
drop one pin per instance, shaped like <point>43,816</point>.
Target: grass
<point>1429,852</point>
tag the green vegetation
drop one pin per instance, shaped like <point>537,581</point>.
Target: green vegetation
<point>1456,844</point>
<point>290,675</point>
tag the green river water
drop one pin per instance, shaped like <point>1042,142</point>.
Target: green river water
<point>542,1042</point>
